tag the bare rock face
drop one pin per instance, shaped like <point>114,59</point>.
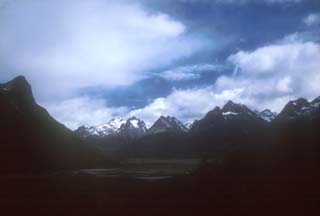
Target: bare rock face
<point>167,124</point>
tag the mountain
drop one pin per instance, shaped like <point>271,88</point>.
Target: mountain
<point>31,140</point>
<point>133,128</point>
<point>267,115</point>
<point>231,115</point>
<point>167,124</point>
<point>189,125</point>
<point>224,130</point>
<point>110,128</point>
<point>296,138</point>
<point>300,108</point>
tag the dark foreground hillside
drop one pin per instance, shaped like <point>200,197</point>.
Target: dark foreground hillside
<point>32,141</point>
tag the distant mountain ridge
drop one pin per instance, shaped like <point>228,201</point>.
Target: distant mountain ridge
<point>106,129</point>
<point>132,128</point>
<point>225,130</point>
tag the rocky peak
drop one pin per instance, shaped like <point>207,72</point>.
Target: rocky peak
<point>189,125</point>
<point>169,123</point>
<point>300,108</point>
<point>316,102</point>
<point>133,128</point>
<point>267,115</point>
<point>18,91</point>
<point>298,104</point>
<point>133,123</point>
<point>231,107</point>
<point>294,109</point>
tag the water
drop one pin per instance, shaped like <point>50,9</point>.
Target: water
<point>148,174</point>
<point>150,170</point>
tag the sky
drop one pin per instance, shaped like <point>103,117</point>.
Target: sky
<point>91,61</point>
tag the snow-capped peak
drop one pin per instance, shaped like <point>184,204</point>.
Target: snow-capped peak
<point>135,122</point>
<point>116,123</point>
<point>189,125</point>
<point>133,127</point>
<point>267,115</point>
<point>112,127</point>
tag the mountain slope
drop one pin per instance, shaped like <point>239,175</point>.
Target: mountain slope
<point>31,140</point>
<point>300,108</point>
<point>167,124</point>
<point>232,127</point>
<point>236,116</point>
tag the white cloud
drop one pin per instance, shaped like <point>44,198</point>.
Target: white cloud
<point>312,19</point>
<point>242,1</point>
<point>189,72</point>
<point>276,71</point>
<point>62,46</point>
<point>80,111</point>
<point>292,58</point>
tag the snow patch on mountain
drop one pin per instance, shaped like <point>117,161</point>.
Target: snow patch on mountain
<point>267,115</point>
<point>188,125</point>
<point>229,113</point>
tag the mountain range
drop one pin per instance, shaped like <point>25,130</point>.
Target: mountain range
<point>32,140</point>
<point>132,128</point>
<point>221,130</point>
<point>135,128</point>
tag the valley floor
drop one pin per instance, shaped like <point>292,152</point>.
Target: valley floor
<point>182,195</point>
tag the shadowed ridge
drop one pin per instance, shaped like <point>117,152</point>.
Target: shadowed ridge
<point>32,140</point>
<point>20,91</point>
<point>293,109</point>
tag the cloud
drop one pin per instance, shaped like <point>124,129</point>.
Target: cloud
<point>267,77</point>
<point>312,19</point>
<point>190,72</point>
<point>75,112</point>
<point>242,1</point>
<point>276,71</point>
<point>257,1</point>
<point>63,46</point>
